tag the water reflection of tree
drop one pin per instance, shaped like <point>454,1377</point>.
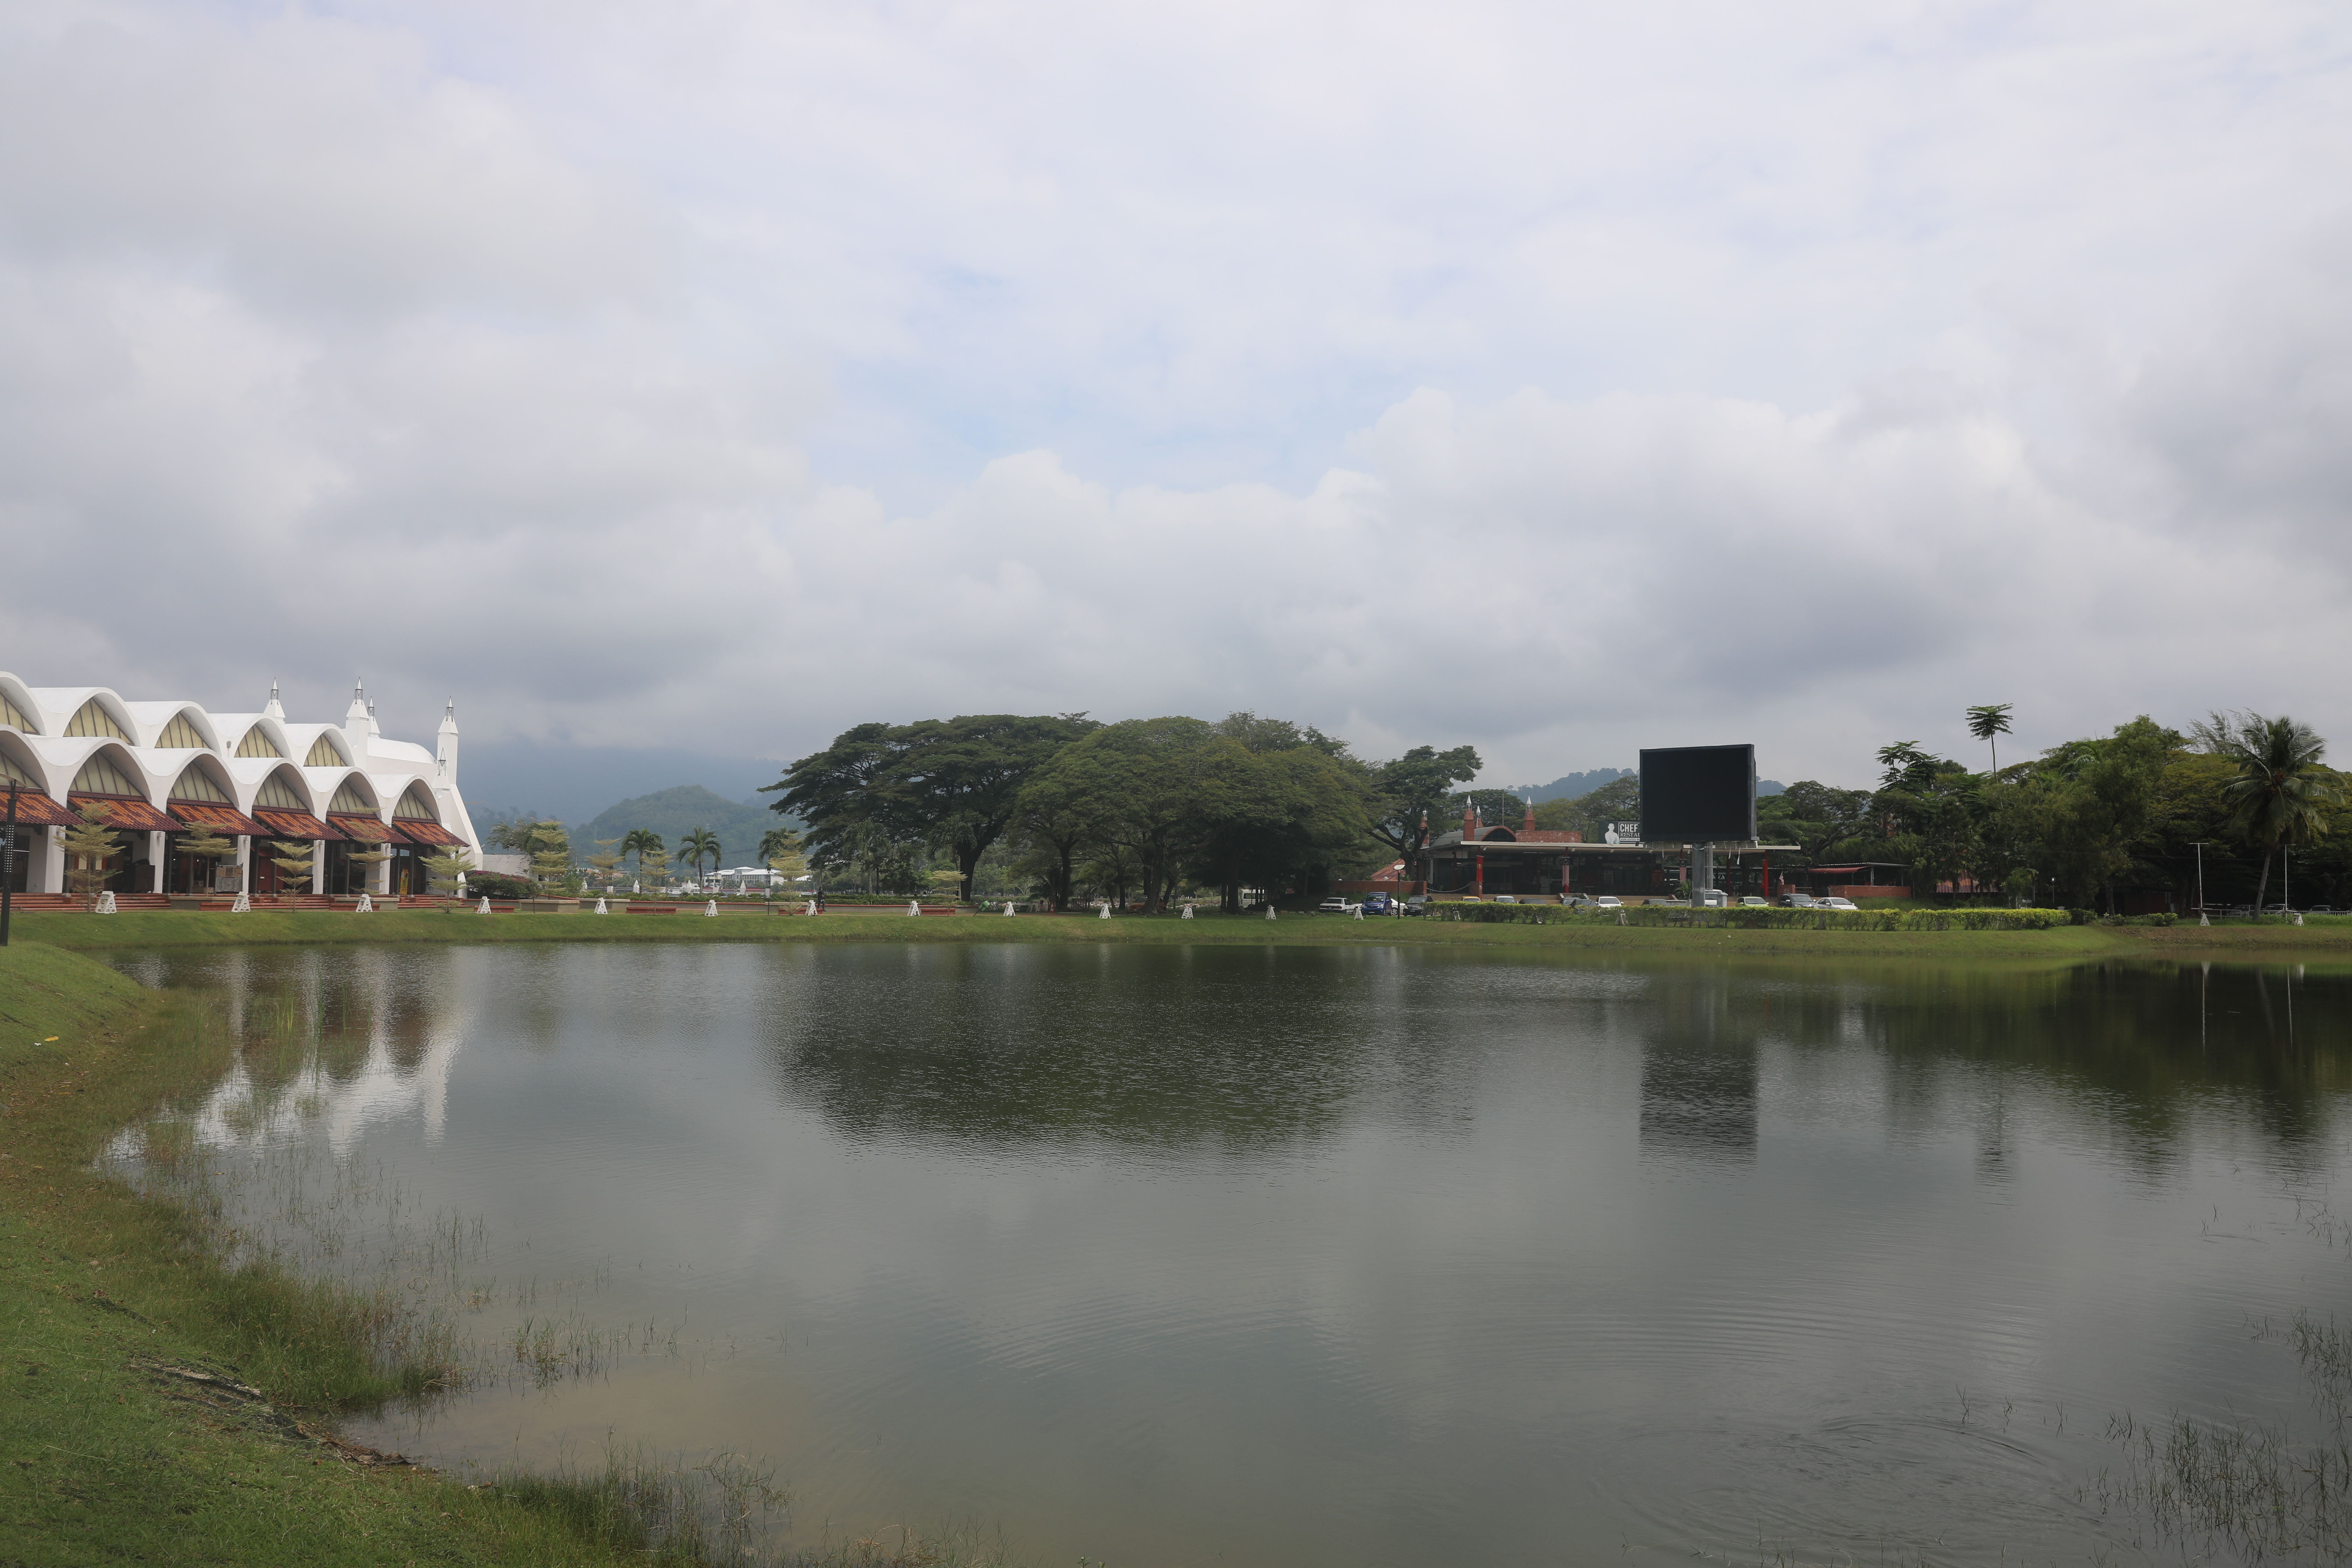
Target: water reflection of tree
<point>2141,1047</point>
<point>1183,1047</point>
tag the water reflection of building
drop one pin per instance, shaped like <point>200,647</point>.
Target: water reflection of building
<point>1699,1079</point>
<point>371,1054</point>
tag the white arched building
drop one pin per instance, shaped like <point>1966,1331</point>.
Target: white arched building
<point>167,767</point>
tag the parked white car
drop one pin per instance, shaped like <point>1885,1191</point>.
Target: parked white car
<point>1842,906</point>
<point>1750,902</point>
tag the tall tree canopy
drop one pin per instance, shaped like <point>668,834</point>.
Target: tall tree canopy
<point>948,783</point>
<point>1407,796</point>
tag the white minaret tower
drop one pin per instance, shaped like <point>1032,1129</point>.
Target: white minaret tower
<point>445,750</point>
<point>275,709</point>
<point>355,716</point>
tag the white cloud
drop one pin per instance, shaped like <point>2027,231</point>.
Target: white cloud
<point>1559,379</point>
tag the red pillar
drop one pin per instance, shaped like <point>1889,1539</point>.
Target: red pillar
<point>1482,874</point>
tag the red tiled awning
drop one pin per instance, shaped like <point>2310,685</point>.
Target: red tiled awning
<point>362,829</point>
<point>35,809</point>
<point>296,825</point>
<point>220,819</point>
<point>430,834</point>
<point>126,813</point>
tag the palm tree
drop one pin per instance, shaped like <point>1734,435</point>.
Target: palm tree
<point>2280,784</point>
<point>697,846</point>
<point>644,843</point>
<point>1987,720</point>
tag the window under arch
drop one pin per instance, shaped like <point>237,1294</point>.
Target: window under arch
<point>14,716</point>
<point>349,799</point>
<point>12,771</point>
<point>179,735</point>
<point>416,805</point>
<point>257,743</point>
<point>324,755</point>
<point>100,776</point>
<point>194,784</point>
<point>92,722</point>
<point>279,795</point>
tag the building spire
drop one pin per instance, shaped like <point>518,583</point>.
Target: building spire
<point>275,709</point>
<point>444,751</point>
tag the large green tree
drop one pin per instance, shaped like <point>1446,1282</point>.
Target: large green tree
<point>1814,817</point>
<point>1152,787</point>
<point>949,782</point>
<point>1407,799</point>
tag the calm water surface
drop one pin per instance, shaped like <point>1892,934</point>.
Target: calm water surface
<point>1304,1256</point>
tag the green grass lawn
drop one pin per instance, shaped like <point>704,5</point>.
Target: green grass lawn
<point>177,929</point>
<point>107,1455</point>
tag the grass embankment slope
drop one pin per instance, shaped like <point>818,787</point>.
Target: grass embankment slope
<point>179,929</point>
<point>108,1450</point>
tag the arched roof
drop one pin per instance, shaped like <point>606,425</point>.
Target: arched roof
<point>245,726</point>
<point>18,708</point>
<point>84,711</point>
<point>206,767</point>
<point>357,784</point>
<point>21,762</point>
<point>158,721</point>
<point>113,758</point>
<point>298,795</point>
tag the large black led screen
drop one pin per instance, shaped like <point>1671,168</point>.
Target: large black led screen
<point>1698,794</point>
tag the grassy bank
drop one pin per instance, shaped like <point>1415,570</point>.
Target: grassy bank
<point>176,929</point>
<point>159,1407</point>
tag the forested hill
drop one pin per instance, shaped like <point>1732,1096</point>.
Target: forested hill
<point>671,811</point>
<point>1576,786</point>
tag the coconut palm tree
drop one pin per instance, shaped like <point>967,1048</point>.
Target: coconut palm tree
<point>2280,786</point>
<point>698,846</point>
<point>1987,720</point>
<point>645,845</point>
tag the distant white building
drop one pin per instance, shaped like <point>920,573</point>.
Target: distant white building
<point>167,767</point>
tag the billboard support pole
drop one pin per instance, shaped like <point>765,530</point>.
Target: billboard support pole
<point>1702,863</point>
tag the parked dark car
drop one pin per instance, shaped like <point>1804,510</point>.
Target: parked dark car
<point>1378,904</point>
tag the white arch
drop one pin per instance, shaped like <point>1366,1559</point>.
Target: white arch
<point>42,773</point>
<point>347,775</point>
<point>125,758</point>
<point>58,704</point>
<point>20,696</point>
<point>211,766</point>
<point>151,719</point>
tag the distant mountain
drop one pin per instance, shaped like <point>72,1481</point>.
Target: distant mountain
<point>1572,786</point>
<point>739,824</point>
<point>1575,786</point>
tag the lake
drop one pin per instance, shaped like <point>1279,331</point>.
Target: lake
<point>1300,1255</point>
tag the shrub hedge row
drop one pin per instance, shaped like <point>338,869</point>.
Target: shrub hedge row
<point>1768,919</point>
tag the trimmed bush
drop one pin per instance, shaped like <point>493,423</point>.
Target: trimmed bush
<point>490,884</point>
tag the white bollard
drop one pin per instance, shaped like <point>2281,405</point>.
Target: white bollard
<point>486,905</point>
<point>1102,911</point>
<point>812,907</point>
<point>1269,911</point>
<point>1188,912</point>
<point>106,904</point>
<point>244,906</point>
<point>914,906</point>
<point>1359,911</point>
<point>366,906</point>
<point>711,907</point>
<point>1008,906</point>
<point>2201,920</point>
<point>599,904</point>
<point>2299,917</point>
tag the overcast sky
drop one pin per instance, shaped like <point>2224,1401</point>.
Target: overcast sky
<point>1561,378</point>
